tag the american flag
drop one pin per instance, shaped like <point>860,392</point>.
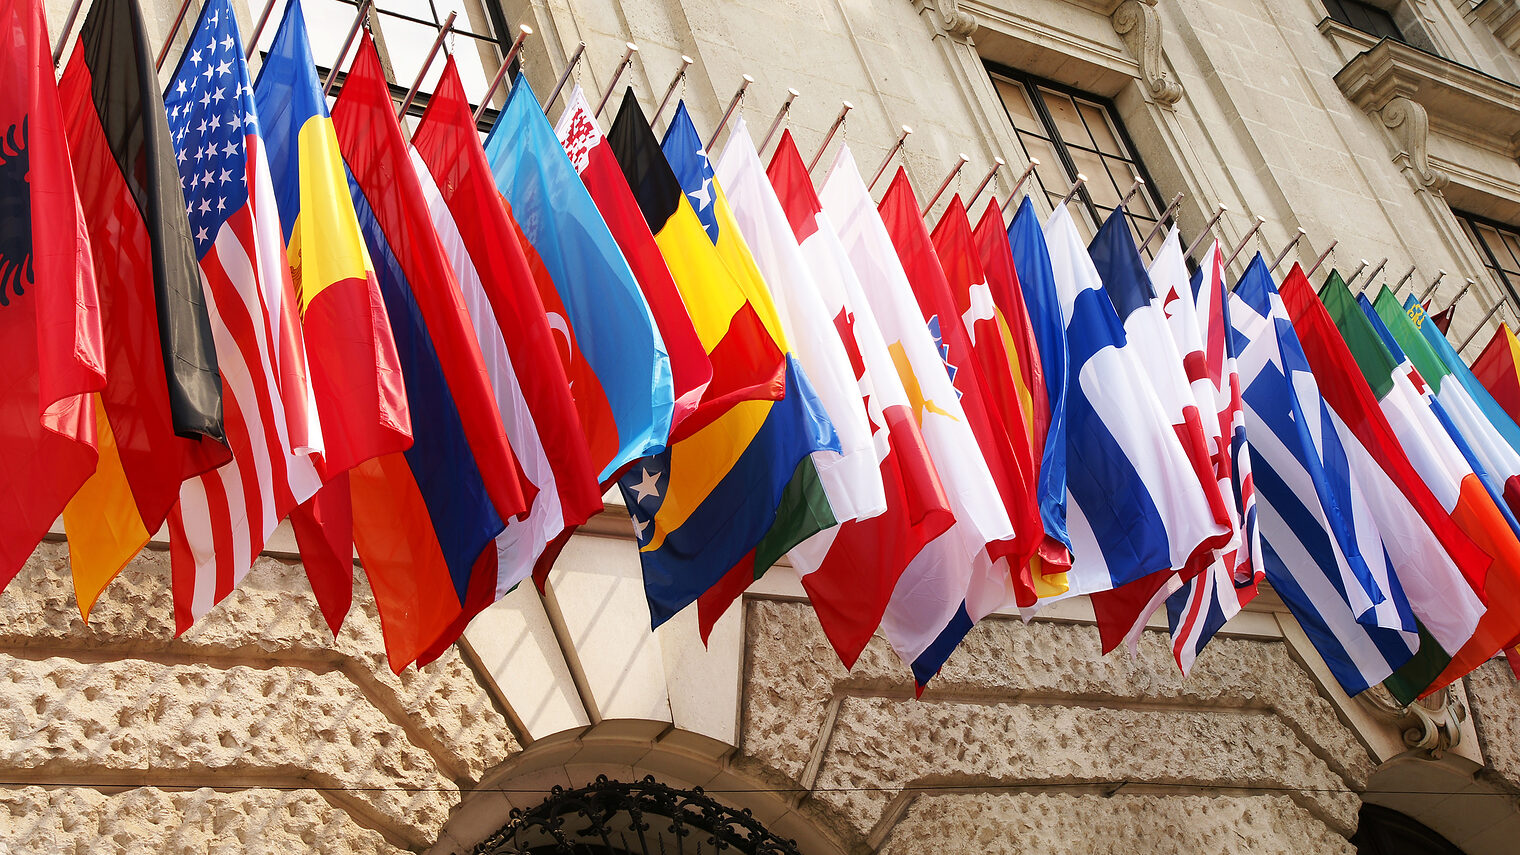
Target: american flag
<point>224,517</point>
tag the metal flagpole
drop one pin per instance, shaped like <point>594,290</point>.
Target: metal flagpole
<point>781,114</point>
<point>1255,227</point>
<point>1130,193</point>
<point>1356,274</point>
<point>1460,294</point>
<point>1285,250</point>
<point>1322,256</point>
<point>997,163</point>
<point>1207,227</point>
<point>501,73</point>
<point>675,81</point>
<point>1019,184</point>
<point>960,162</point>
<point>1479,328</point>
<point>1440,274</point>
<point>564,75</point>
<point>891,153</point>
<point>68,27</point>
<point>622,66</point>
<point>829,137</point>
<point>733,104</point>
<point>1161,221</point>
<point>348,42</point>
<point>1081,179</point>
<point>179,18</point>
<point>1403,279</point>
<point>258,30</point>
<point>427,62</point>
<point>1373,275</point>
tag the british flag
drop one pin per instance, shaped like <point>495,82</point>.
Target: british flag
<point>224,517</point>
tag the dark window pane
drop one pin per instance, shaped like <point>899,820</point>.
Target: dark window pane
<point>1365,17</point>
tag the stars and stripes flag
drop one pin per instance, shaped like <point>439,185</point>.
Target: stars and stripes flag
<point>224,516</point>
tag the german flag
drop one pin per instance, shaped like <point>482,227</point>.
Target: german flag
<point>160,414</point>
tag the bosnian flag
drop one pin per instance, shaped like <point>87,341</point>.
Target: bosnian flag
<point>927,616</point>
<point>1199,316</point>
<point>224,516</point>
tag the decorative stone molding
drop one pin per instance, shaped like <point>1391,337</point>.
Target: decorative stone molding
<point>950,17</point>
<point>1138,23</point>
<point>1503,18</point>
<point>1410,125</point>
<point>1431,725</point>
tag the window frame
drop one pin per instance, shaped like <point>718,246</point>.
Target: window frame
<point>1470,222</point>
<point>1032,84</point>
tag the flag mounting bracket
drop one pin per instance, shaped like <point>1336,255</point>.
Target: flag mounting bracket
<point>1019,184</point>
<point>1130,193</point>
<point>1356,274</point>
<point>670,90</point>
<point>1322,256</point>
<point>955,170</point>
<point>1081,179</point>
<point>1373,275</point>
<point>1207,227</point>
<point>1250,233</point>
<point>559,84</point>
<point>781,114</point>
<point>1403,279</point>
<point>629,49</point>
<point>997,163</point>
<point>733,104</point>
<point>1440,274</point>
<point>523,32</point>
<point>891,153</point>
<point>1171,209</point>
<point>844,110</point>
<point>1297,236</point>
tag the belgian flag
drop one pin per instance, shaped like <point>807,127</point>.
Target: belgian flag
<point>50,349</point>
<point>160,414</point>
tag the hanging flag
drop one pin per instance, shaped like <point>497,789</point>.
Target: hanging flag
<point>1138,297</point>
<point>1136,503</point>
<point>527,377</point>
<point>424,517</point>
<point>728,306</point>
<point>159,418</point>
<point>1010,580</point>
<point>690,369</point>
<point>355,371</point>
<point>1498,369</point>
<point>1031,261</point>
<point>992,346</point>
<point>850,571</point>
<point>1321,550</point>
<point>613,354</point>
<point>724,502</point>
<point>224,516</point>
<point>1442,320</point>
<point>1053,559</point>
<point>1200,317</point>
<point>50,336</point>
<point>850,476</point>
<point>1411,472</point>
<point>930,609</point>
<point>1492,435</point>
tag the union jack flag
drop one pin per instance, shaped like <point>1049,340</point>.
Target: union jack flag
<point>224,517</point>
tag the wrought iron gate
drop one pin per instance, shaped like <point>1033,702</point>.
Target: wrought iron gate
<point>641,818</point>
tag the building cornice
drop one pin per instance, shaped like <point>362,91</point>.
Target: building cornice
<point>1503,18</point>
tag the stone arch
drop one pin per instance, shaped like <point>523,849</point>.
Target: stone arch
<point>627,750</point>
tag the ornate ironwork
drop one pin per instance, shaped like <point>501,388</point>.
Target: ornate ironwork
<point>641,818</point>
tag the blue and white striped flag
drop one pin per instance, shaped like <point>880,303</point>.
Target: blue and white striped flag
<point>1323,553</point>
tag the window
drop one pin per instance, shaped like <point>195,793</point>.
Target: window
<point>1365,17</point>
<point>1499,245</point>
<point>404,30</point>
<point>1071,132</point>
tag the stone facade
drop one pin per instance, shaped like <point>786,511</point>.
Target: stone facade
<point>257,731</point>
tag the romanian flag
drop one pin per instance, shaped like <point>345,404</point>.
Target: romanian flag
<point>728,500</point>
<point>50,338</point>
<point>937,302</point>
<point>160,414</point>
<point>532,392</point>
<point>612,351</point>
<point>1449,646</point>
<point>422,518</point>
<point>355,370</point>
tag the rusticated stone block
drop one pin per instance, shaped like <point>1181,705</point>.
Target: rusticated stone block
<point>135,721</point>
<point>77,821</point>
<point>272,615</point>
<point>1495,698</point>
<point>1091,824</point>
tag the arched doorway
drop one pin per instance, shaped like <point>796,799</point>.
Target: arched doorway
<point>1383,831</point>
<point>644,817</point>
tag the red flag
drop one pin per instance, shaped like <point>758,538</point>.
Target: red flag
<point>899,211</point>
<point>50,334</point>
<point>851,571</point>
<point>531,387</point>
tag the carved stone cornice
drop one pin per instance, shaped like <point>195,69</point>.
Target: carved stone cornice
<point>1503,18</point>
<point>949,17</point>
<point>1430,725</point>
<point>1457,101</point>
<point>1138,23</point>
